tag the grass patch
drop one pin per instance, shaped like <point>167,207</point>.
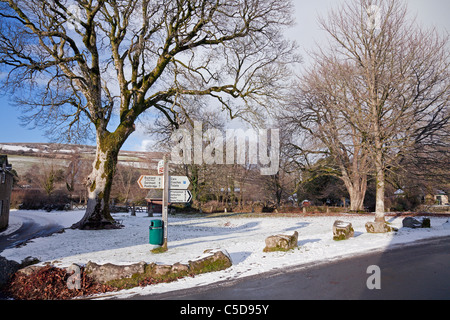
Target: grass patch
<point>159,250</point>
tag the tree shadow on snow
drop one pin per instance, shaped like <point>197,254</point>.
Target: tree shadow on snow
<point>197,230</point>
<point>298,225</point>
<point>305,241</point>
<point>240,256</point>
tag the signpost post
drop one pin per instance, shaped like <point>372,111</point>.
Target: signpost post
<point>165,204</point>
<point>174,190</point>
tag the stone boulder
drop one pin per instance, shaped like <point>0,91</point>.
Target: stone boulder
<point>107,272</point>
<point>160,270</point>
<point>378,227</point>
<point>7,268</point>
<point>342,230</point>
<point>214,260</point>
<point>411,222</point>
<point>27,266</point>
<point>281,242</point>
<point>29,270</point>
<point>179,268</point>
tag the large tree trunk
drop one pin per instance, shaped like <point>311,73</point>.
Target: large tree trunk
<point>380,180</point>
<point>355,182</point>
<point>357,198</point>
<point>100,181</point>
<point>379,198</point>
<point>357,191</point>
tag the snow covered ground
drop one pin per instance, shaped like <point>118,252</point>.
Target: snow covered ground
<point>243,238</point>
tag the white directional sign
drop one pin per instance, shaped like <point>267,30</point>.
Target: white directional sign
<point>150,182</point>
<point>155,182</point>
<point>180,196</point>
<point>178,182</point>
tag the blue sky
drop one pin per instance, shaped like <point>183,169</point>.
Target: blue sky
<point>306,33</point>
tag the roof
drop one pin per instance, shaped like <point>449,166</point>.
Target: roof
<point>154,194</point>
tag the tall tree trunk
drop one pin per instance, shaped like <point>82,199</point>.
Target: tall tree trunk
<point>357,199</point>
<point>355,183</point>
<point>379,172</point>
<point>380,181</point>
<point>100,181</point>
<point>357,191</point>
<point>378,143</point>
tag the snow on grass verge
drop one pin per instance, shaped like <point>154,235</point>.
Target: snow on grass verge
<point>242,237</point>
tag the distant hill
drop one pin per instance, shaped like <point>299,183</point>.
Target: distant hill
<point>23,155</point>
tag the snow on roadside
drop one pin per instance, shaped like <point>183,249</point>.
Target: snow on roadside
<point>13,225</point>
<point>243,238</point>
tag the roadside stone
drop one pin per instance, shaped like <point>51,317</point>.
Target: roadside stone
<point>214,261</point>
<point>7,268</point>
<point>281,242</point>
<point>29,261</point>
<point>107,272</point>
<point>378,227</point>
<point>30,269</point>
<point>27,266</point>
<point>180,268</point>
<point>342,230</point>
<point>411,222</point>
<point>161,270</point>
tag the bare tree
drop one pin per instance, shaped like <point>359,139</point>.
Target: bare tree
<point>47,176</point>
<point>126,188</point>
<point>399,79</point>
<point>319,126</point>
<point>101,64</point>
<point>282,185</point>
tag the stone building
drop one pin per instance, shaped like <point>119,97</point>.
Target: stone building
<point>6,183</point>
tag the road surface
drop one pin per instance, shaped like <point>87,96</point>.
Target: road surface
<point>419,271</point>
<point>31,226</point>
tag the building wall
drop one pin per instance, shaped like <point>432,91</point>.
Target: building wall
<point>441,198</point>
<point>6,182</point>
<point>154,206</point>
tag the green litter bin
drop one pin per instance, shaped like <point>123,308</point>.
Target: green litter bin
<point>156,232</point>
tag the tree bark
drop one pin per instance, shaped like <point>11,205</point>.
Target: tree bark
<point>356,198</point>
<point>379,167</point>
<point>379,198</point>
<point>100,181</point>
<point>356,181</point>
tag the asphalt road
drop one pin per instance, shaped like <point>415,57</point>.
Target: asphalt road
<point>418,271</point>
<point>31,227</point>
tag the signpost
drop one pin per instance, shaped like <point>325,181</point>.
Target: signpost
<point>150,182</point>
<point>165,204</point>
<point>156,182</point>
<point>161,166</point>
<point>178,182</point>
<point>174,190</point>
<point>180,196</point>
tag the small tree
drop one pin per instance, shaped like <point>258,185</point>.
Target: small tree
<point>49,182</point>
